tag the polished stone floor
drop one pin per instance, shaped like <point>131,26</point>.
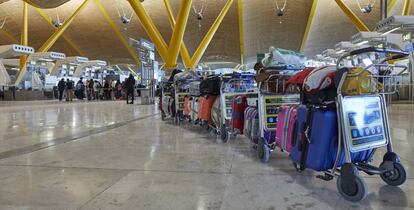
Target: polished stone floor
<point>109,155</point>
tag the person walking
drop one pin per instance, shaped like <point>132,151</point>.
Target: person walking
<point>96,90</point>
<point>130,87</point>
<point>61,88</point>
<point>80,88</point>
<point>107,90</point>
<point>69,90</point>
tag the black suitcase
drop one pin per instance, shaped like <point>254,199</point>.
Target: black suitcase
<point>210,86</point>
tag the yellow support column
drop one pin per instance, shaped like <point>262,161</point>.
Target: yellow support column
<point>209,36</point>
<point>66,38</point>
<point>351,15</point>
<point>25,33</point>
<point>118,32</point>
<point>407,8</point>
<point>55,36</point>
<point>185,56</point>
<point>308,25</point>
<point>241,30</point>
<point>391,5</point>
<point>52,39</point>
<point>178,34</point>
<point>150,28</point>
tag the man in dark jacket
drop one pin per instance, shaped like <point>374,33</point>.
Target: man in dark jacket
<point>69,90</point>
<point>130,86</point>
<point>61,88</point>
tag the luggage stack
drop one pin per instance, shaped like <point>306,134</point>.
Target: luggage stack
<point>329,119</point>
<point>339,123</point>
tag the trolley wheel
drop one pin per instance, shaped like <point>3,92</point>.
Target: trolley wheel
<point>176,120</point>
<point>352,192</point>
<point>162,116</point>
<point>297,167</point>
<point>395,177</point>
<point>263,151</point>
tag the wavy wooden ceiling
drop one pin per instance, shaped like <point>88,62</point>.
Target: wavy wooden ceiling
<point>93,35</point>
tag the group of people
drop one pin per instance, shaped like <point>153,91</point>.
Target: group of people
<point>111,90</point>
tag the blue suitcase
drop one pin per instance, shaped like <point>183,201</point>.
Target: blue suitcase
<point>319,153</point>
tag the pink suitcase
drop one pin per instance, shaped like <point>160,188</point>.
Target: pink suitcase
<point>284,130</point>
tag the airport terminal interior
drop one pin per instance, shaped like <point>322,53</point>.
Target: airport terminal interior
<point>206,104</point>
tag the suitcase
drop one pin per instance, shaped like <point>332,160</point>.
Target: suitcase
<point>319,152</point>
<point>269,136</point>
<point>194,109</point>
<point>210,86</point>
<point>251,125</point>
<point>206,103</point>
<point>285,127</point>
<point>237,117</point>
<point>216,113</point>
<point>187,106</point>
<point>195,88</point>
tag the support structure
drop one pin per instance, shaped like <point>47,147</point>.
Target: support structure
<point>66,38</point>
<point>25,32</point>
<point>241,30</point>
<point>178,33</point>
<point>209,36</point>
<point>391,5</point>
<point>185,56</point>
<point>118,32</point>
<point>407,8</point>
<point>55,36</point>
<point>351,15</point>
<point>308,25</point>
<point>150,28</point>
<point>9,36</point>
<point>52,39</point>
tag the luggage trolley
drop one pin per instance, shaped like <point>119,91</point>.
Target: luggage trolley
<point>166,94</point>
<point>268,108</point>
<point>228,91</point>
<point>365,127</point>
<point>181,91</point>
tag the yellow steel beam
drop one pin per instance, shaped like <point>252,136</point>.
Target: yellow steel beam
<point>150,28</point>
<point>185,56</point>
<point>407,8</point>
<point>66,38</point>
<point>241,30</point>
<point>351,15</point>
<point>24,32</point>
<point>178,34</point>
<point>209,36</point>
<point>55,36</point>
<point>391,5</point>
<point>118,32</point>
<point>308,25</point>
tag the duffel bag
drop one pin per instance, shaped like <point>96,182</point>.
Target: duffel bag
<point>319,86</point>
<point>295,83</point>
<point>210,86</point>
<point>363,83</point>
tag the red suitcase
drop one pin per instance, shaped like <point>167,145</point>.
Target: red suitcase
<point>237,119</point>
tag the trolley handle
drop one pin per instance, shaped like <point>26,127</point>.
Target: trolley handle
<point>277,81</point>
<point>397,54</point>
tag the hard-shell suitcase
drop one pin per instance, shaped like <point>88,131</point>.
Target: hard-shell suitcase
<point>251,125</point>
<point>187,106</point>
<point>285,127</point>
<point>206,103</point>
<point>194,109</point>
<point>319,151</point>
<point>237,118</point>
<point>269,136</point>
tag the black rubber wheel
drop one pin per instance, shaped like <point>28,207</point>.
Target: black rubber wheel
<point>395,177</point>
<point>354,193</point>
<point>263,151</point>
<point>162,116</point>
